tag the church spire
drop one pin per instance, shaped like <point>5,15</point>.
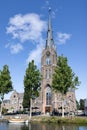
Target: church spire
<point>49,41</point>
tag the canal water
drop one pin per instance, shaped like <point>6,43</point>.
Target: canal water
<point>40,126</point>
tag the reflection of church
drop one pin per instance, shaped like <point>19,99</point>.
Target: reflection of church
<point>48,100</point>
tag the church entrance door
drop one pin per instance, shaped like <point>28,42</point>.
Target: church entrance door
<point>48,109</point>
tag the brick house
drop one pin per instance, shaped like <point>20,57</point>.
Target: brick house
<point>14,104</point>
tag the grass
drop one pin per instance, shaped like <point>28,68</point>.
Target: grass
<point>55,119</point>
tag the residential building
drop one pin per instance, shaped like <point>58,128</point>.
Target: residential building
<point>14,104</point>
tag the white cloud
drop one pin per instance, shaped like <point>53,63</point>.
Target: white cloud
<point>35,55</point>
<point>26,27</point>
<point>16,48</point>
<point>63,37</point>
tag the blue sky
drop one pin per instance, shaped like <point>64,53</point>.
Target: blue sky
<point>23,26</point>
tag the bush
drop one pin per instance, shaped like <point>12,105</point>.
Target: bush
<point>4,111</point>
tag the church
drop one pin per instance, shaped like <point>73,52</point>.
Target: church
<point>49,101</point>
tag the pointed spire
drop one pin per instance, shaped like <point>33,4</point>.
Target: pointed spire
<point>49,42</point>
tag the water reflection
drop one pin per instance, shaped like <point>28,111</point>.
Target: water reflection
<point>82,128</point>
<point>3,126</point>
<point>14,126</point>
<point>39,126</point>
<point>53,127</point>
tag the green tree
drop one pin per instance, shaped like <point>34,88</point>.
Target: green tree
<point>5,82</point>
<point>78,105</point>
<point>81,102</point>
<point>63,78</point>
<point>32,80</point>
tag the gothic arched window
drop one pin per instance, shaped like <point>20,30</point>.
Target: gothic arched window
<point>48,95</point>
<point>47,74</point>
<point>48,58</point>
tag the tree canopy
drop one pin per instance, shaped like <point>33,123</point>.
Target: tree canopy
<point>64,78</point>
<point>5,81</point>
<point>78,105</point>
<point>32,80</point>
<point>82,106</point>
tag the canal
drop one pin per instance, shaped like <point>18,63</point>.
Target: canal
<point>40,126</point>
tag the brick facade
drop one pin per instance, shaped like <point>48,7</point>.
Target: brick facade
<point>14,104</point>
<point>48,100</point>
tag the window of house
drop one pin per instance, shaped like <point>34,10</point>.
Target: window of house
<point>14,96</point>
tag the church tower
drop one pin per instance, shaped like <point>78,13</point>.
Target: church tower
<point>49,101</point>
<point>48,62</point>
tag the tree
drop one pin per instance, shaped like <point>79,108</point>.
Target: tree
<point>32,80</point>
<point>5,82</point>
<point>81,102</point>
<point>78,105</point>
<point>63,78</point>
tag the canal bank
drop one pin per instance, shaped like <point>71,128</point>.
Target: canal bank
<point>56,119</point>
<point>50,119</point>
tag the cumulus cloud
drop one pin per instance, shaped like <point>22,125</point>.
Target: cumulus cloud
<point>35,55</point>
<point>63,37</point>
<point>16,48</point>
<point>26,27</point>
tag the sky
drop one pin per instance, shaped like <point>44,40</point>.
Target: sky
<point>23,33</point>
